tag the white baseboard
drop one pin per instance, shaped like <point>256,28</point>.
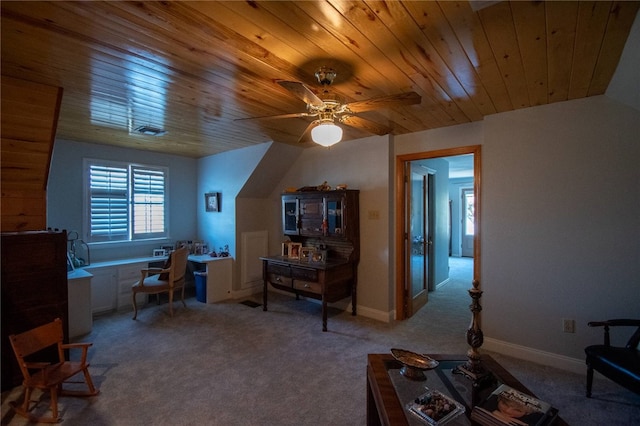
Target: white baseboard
<point>376,314</point>
<point>246,292</point>
<point>535,355</point>
<point>441,283</point>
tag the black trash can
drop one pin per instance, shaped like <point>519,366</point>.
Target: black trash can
<point>201,286</point>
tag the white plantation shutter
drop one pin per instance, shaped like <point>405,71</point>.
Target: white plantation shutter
<point>148,203</point>
<point>126,202</point>
<point>109,204</point>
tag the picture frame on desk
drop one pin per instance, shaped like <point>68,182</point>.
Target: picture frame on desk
<point>197,248</point>
<point>159,252</point>
<point>285,250</point>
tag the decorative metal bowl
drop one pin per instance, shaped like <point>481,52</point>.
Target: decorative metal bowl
<point>413,364</point>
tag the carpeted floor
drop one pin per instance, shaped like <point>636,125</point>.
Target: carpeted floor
<point>231,364</point>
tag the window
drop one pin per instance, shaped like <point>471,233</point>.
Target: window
<point>125,202</point>
<point>469,208</point>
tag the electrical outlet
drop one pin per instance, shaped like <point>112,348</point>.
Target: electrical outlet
<point>568,325</point>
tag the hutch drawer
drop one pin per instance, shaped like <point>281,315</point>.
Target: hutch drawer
<point>279,269</point>
<point>312,287</point>
<point>280,279</point>
<point>304,274</point>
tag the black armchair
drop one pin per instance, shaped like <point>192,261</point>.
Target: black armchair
<point>620,364</point>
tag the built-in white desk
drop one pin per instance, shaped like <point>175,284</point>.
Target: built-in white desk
<point>219,276</point>
<point>112,280</point>
<point>79,303</point>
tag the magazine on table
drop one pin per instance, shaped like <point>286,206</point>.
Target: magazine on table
<point>510,407</point>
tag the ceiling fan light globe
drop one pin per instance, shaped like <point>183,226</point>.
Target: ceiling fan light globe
<point>326,134</point>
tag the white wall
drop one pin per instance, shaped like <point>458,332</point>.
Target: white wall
<point>225,173</point>
<point>64,193</point>
<point>362,165</point>
<point>560,230</point>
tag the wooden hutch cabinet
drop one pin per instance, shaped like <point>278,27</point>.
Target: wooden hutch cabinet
<point>323,220</point>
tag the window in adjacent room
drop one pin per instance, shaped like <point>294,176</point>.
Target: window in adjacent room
<point>125,202</point>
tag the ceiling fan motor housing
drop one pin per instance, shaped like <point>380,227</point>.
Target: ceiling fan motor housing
<point>325,75</point>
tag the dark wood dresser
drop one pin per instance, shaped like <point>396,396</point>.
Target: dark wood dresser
<point>34,289</point>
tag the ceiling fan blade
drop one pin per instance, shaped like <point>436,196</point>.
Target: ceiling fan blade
<point>407,98</point>
<point>306,135</point>
<point>367,125</point>
<point>302,92</point>
<point>269,117</point>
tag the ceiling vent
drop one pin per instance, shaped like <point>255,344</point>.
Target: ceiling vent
<point>150,131</point>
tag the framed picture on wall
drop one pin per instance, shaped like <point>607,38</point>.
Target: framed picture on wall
<point>212,202</point>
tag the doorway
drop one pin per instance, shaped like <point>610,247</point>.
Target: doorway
<point>411,287</point>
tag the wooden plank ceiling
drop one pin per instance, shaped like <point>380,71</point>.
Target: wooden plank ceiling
<point>193,68</point>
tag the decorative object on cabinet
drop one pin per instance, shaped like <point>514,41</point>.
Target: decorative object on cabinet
<point>285,249</point>
<point>151,282</point>
<point>328,220</point>
<point>306,253</point>
<point>159,253</point>
<point>212,202</point>
<point>34,290</point>
<point>49,376</point>
<point>319,256</point>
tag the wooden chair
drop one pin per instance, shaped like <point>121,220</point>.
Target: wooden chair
<point>620,364</point>
<point>48,376</point>
<point>163,280</point>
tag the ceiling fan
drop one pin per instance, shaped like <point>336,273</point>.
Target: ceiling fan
<point>328,110</point>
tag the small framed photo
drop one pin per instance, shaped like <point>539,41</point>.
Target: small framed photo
<point>212,202</point>
<point>159,252</point>
<point>285,250</point>
<point>197,248</point>
<point>294,250</point>
<point>306,253</point>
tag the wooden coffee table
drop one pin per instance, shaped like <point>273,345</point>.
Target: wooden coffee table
<point>388,391</point>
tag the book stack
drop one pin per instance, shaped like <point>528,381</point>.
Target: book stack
<point>509,407</point>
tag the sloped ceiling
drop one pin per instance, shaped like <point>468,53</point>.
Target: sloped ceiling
<point>193,68</point>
